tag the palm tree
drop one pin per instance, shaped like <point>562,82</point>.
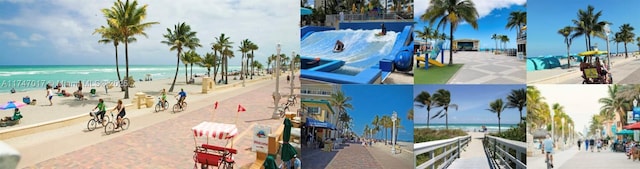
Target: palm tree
<point>425,34</point>
<point>627,35</point>
<point>410,114</point>
<point>617,38</point>
<point>209,60</point>
<point>366,130</point>
<point>223,44</point>
<point>227,53</point>
<point>340,102</point>
<point>424,100</point>
<point>588,24</point>
<point>517,99</point>
<point>453,12</point>
<point>270,61</point>
<point>442,98</point>
<point>566,32</point>
<point>517,19</point>
<point>497,107</point>
<point>252,47</point>
<point>189,58</point>
<point>536,107</point>
<point>112,35</point>
<point>216,48</point>
<point>180,37</point>
<point>386,124</point>
<point>243,48</point>
<point>504,39</point>
<point>495,37</point>
<point>638,40</point>
<point>397,127</point>
<point>185,60</point>
<point>257,65</point>
<point>195,58</point>
<point>127,18</point>
<point>375,122</point>
<point>614,104</point>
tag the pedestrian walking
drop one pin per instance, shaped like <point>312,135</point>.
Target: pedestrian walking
<point>579,143</point>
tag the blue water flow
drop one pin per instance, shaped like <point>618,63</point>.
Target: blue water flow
<point>363,49</point>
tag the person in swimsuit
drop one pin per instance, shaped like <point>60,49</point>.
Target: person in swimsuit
<point>121,113</point>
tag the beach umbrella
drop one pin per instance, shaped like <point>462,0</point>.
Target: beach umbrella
<point>634,126</point>
<point>270,163</point>
<point>305,11</point>
<point>287,151</point>
<point>12,105</point>
<point>590,53</point>
<point>540,133</point>
<point>625,132</point>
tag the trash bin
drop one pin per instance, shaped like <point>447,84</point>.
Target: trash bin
<point>149,102</point>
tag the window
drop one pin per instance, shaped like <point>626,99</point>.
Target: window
<point>313,110</point>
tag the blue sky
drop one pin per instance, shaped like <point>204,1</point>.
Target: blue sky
<point>371,100</point>
<point>473,102</point>
<point>546,17</point>
<point>493,18</point>
<point>60,32</point>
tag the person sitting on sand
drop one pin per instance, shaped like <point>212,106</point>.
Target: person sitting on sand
<point>16,116</point>
<point>65,93</point>
<point>339,46</point>
<point>58,87</point>
<point>78,94</point>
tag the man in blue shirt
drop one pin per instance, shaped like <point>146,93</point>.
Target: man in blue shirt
<point>548,148</point>
<point>183,96</point>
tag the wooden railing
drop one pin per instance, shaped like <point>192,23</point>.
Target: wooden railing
<point>504,153</point>
<point>450,151</point>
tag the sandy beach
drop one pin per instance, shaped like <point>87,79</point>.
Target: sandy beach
<point>66,107</point>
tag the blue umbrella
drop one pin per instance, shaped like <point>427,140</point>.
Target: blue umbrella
<point>305,11</point>
<point>625,132</point>
<point>12,105</point>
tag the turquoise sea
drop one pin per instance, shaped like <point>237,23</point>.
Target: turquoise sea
<point>469,127</point>
<point>35,77</point>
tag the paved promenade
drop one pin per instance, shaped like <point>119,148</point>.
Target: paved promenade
<point>161,140</point>
<point>354,155</point>
<point>473,157</point>
<point>574,159</point>
<point>487,68</point>
<point>624,71</point>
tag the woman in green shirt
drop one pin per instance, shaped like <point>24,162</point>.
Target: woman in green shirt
<point>101,110</point>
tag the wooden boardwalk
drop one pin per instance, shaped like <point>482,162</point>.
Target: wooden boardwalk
<point>473,157</point>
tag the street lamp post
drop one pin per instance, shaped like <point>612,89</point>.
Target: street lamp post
<point>293,55</point>
<point>607,30</point>
<point>564,140</point>
<point>276,94</point>
<point>393,132</point>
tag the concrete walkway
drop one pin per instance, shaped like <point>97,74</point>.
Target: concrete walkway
<point>623,71</point>
<point>487,68</point>
<point>473,157</point>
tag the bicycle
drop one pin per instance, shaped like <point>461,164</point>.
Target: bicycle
<point>92,124</point>
<point>159,105</point>
<point>110,126</point>
<point>177,107</point>
<point>283,109</point>
<point>292,100</point>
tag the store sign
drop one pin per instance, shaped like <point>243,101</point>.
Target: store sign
<point>261,139</point>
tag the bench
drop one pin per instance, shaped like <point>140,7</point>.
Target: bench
<point>218,148</point>
<point>207,159</point>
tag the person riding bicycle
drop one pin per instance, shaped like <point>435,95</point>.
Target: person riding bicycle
<point>548,148</point>
<point>121,113</point>
<point>183,96</point>
<point>101,110</point>
<point>163,98</point>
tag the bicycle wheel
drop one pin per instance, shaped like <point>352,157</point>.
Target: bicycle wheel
<point>109,128</point>
<point>91,125</point>
<point>125,124</point>
<point>105,120</point>
<point>176,108</point>
<point>158,107</point>
<point>166,105</point>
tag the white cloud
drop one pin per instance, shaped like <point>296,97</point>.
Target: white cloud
<point>484,7</point>
<point>36,37</point>
<point>10,35</point>
<point>68,26</point>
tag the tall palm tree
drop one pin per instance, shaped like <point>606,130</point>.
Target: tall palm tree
<point>497,107</point>
<point>243,49</point>
<point>257,65</point>
<point>504,39</point>
<point>517,19</point>
<point>252,47</point>
<point>410,114</point>
<point>340,102</point>
<point>189,58</point>
<point>112,35</point>
<point>227,53</point>
<point>366,130</point>
<point>181,37</point>
<point>194,59</point>
<point>216,48</point>
<point>424,100</point>
<point>589,24</point>
<point>617,38</point>
<point>613,104</point>
<point>209,60</point>
<point>495,37</point>
<point>627,35</point>
<point>185,60</point>
<point>397,127</point>
<point>517,99</point>
<point>536,107</point>
<point>128,19</point>
<point>386,124</point>
<point>453,12</point>
<point>638,40</point>
<point>223,44</point>
<point>270,61</point>
<point>375,122</point>
<point>425,34</point>
<point>566,32</point>
<point>442,98</point>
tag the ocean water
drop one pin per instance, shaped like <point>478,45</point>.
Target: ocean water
<point>469,127</point>
<point>35,77</point>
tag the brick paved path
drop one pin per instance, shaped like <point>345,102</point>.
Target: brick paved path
<point>170,144</point>
<point>351,156</point>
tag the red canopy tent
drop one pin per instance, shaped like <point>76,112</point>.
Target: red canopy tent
<point>634,126</point>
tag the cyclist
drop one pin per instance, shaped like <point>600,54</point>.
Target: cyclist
<point>121,113</point>
<point>164,98</point>
<point>183,96</point>
<point>101,110</point>
<point>548,148</point>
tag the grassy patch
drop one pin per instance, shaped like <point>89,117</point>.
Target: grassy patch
<point>435,75</point>
<point>426,134</point>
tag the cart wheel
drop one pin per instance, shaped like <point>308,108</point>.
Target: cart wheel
<point>109,128</point>
<point>158,107</point>
<point>125,124</point>
<point>91,125</point>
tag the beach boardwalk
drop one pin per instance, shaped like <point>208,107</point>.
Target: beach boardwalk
<point>473,157</point>
<point>355,155</point>
<point>170,143</point>
<point>574,159</point>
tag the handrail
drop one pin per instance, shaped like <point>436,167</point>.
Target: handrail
<point>368,17</point>
<point>498,149</point>
<point>450,150</point>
